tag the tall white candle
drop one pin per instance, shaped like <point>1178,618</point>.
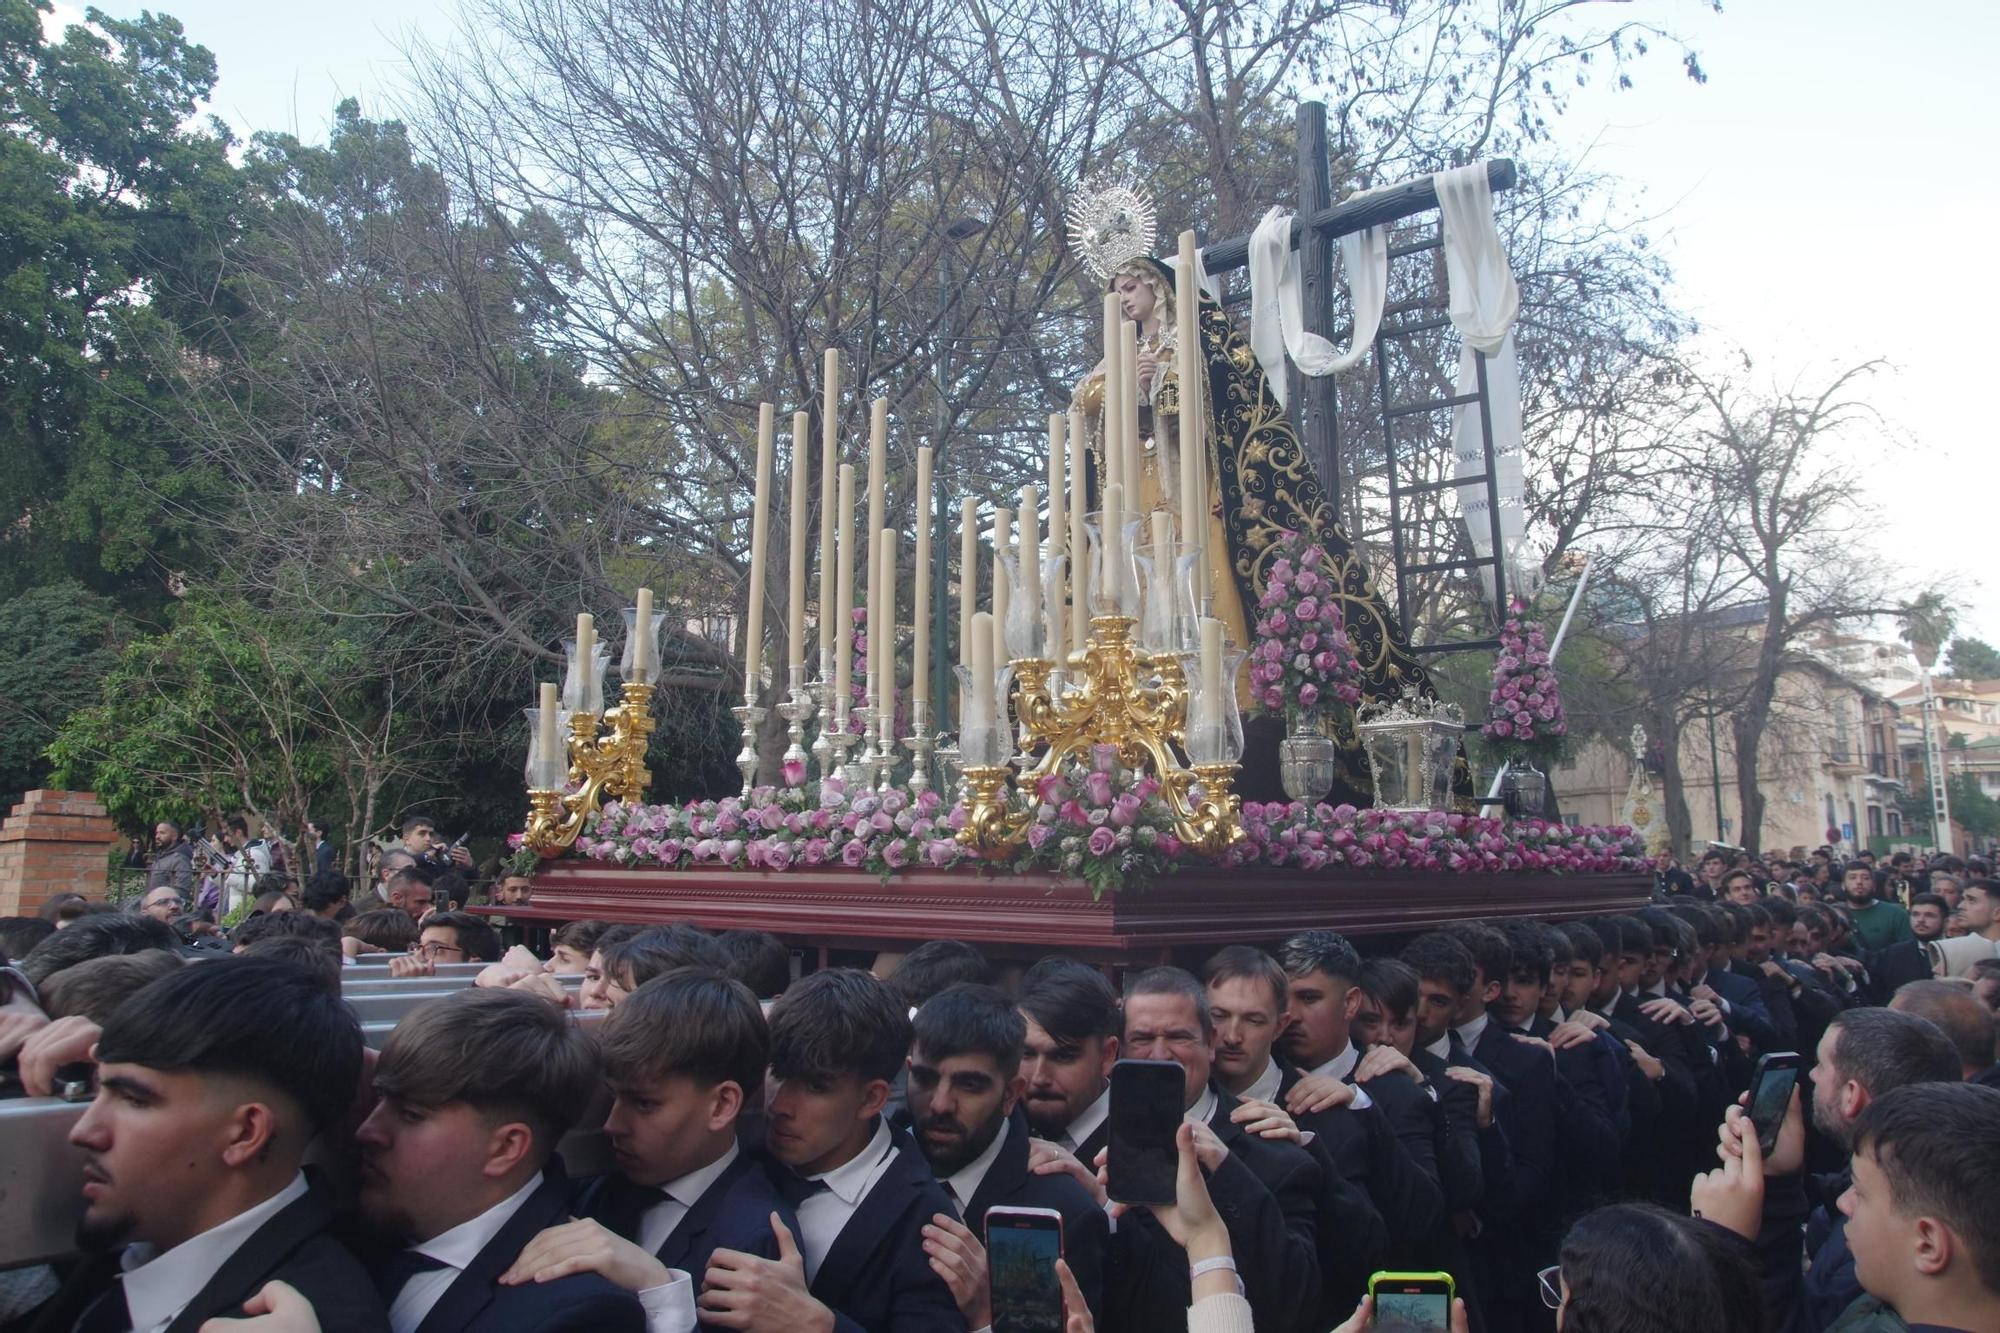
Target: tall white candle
<point>1058,529</point>
<point>878,462</point>
<point>760,536</point>
<point>882,641</point>
<point>920,586</point>
<point>1211,671</point>
<point>642,630</point>
<point>843,642</point>
<point>829,481</point>
<point>1109,538</point>
<point>548,737</point>
<point>1128,406</point>
<point>1163,551</point>
<point>1108,425</point>
<point>795,566</point>
<point>968,576</point>
<point>1079,551</point>
<point>1031,552</point>
<point>1003,541</point>
<point>978,710</point>
<point>586,656</point>
<point>1193,422</point>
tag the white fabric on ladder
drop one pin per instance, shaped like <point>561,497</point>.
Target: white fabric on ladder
<point>1484,300</point>
<point>1277,321</point>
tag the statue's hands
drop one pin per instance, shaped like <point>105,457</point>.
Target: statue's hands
<point>1148,366</point>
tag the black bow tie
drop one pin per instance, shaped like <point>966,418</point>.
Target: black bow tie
<point>795,1189</point>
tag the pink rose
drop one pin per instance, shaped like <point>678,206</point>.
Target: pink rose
<point>895,855</point>
<point>1097,787</point>
<point>1102,840</point>
<point>853,854</point>
<point>1125,810</point>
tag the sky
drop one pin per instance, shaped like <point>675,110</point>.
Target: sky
<point>1818,197</point>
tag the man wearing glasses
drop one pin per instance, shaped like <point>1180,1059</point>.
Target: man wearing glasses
<point>163,904</point>
<point>448,937</point>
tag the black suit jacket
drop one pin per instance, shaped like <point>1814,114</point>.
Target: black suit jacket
<point>1529,1076</point>
<point>292,1247</point>
<point>875,1277</point>
<point>733,1213</point>
<point>1010,1184</point>
<point>1267,1194</point>
<point>475,1302</point>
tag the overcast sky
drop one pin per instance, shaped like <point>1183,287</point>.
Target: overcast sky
<point>1819,199</point>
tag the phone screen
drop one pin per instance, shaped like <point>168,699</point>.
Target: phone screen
<point>1021,1268</point>
<point>1425,1309</point>
<point>1775,1081</point>
<point>1145,1115</point>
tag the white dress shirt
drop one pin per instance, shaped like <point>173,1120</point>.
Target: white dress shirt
<point>1203,1109</point>
<point>1081,1128</point>
<point>455,1249</point>
<point>1264,1087</point>
<point>823,1215</point>
<point>1470,1033</point>
<point>1339,1068</point>
<point>1441,1048</point>
<point>159,1284</point>
<point>658,1222</point>
<point>964,1182</point>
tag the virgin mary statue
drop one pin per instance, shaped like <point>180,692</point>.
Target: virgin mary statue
<point>1261,486</point>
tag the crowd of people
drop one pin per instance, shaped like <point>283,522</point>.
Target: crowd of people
<point>1551,1113</point>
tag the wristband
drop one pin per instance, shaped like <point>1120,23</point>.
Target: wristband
<point>1214,1264</point>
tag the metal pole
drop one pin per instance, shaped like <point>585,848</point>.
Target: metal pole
<point>1715,773</point>
<point>1555,646</point>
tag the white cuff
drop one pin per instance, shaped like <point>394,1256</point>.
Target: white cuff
<point>670,1306</point>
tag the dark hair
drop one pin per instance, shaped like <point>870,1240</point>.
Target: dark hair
<point>245,1018</point>
<point>272,925</point>
<point>1174,981</point>
<point>508,1054</point>
<point>405,879</point>
<point>581,936</point>
<point>689,1022</point>
<point>1326,951</point>
<point>1938,1144</point>
<point>95,987</point>
<point>1957,1012</point>
<point>1669,931</point>
<point>414,821</point>
<point>758,959</point>
<point>1491,953</point>
<point>315,957</point>
<point>658,950</point>
<point>19,934</point>
<point>839,1020</point>
<point>1730,877</point>
<point>1697,917</point>
<point>475,934</point>
<point>613,936</point>
<point>971,1019</point>
<point>95,937</point>
<point>1734,923</point>
<point>936,964</point>
<point>448,886</point>
<point>1242,962</point>
<point>1585,944</point>
<point>1637,1268</point>
<point>1782,910</point>
<point>1626,934</point>
<point>1882,1049</point>
<point>1528,950</point>
<point>238,823</point>
<point>1443,959</point>
<point>389,928</point>
<point>1391,983</point>
<point>1560,952</point>
<point>1070,1001</point>
<point>1931,900</point>
<point>323,889</point>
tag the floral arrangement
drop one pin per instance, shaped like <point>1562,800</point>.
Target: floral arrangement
<point>1302,657</point>
<point>1317,837</point>
<point>1524,709</point>
<point>778,828</point>
<point>1084,825</point>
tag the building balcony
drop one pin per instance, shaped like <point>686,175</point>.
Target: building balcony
<point>1846,763</point>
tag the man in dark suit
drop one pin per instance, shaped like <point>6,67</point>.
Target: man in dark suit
<point>964,1104</point>
<point>211,1082</point>
<point>861,1191</point>
<point>1072,1041</point>
<point>683,1053</point>
<point>1266,1190</point>
<point>458,1164</point>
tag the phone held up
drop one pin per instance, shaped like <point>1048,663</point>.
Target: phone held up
<point>1145,1116</point>
<point>1770,1093</point>
<point>1022,1246</point>
<point>1422,1300</point>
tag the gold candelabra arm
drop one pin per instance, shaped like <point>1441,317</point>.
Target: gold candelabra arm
<point>632,724</point>
<point>613,764</point>
<point>1214,822</point>
<point>991,826</point>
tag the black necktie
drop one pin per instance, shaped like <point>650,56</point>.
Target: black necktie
<point>396,1271</point>
<point>795,1189</point>
<point>107,1314</point>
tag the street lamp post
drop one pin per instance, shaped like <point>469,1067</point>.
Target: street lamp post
<point>956,231</point>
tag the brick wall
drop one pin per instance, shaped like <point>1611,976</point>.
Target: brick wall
<point>54,842</point>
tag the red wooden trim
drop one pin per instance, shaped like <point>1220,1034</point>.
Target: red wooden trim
<point>1208,908</point>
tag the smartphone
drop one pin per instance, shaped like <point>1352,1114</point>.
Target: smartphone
<point>1422,1300</point>
<point>1022,1246</point>
<point>1770,1093</point>
<point>1145,1115</point>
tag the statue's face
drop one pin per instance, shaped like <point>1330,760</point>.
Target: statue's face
<point>1135,298</point>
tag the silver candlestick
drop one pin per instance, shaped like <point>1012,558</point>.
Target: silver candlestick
<point>822,748</point>
<point>751,716</point>
<point>796,710</point>
<point>887,751</point>
<point>839,741</point>
<point>861,768</point>
<point>920,745</point>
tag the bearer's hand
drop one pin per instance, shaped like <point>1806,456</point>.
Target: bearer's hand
<point>957,1256</point>
<point>586,1247</point>
<point>767,1295</point>
<point>1318,1092</point>
<point>1265,1121</point>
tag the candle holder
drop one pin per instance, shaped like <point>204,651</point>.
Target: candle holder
<point>751,716</point>
<point>950,773</point>
<point>920,745</point>
<point>1134,703</point>
<point>565,791</point>
<point>822,746</point>
<point>797,710</point>
<point>887,747</point>
<point>861,768</point>
<point>840,739</point>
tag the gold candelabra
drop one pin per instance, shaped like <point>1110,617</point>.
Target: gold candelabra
<point>613,764</point>
<point>1118,695</point>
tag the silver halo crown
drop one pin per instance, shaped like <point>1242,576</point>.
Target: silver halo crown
<point>1111,223</point>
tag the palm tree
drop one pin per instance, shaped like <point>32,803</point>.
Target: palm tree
<point>1927,626</point>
